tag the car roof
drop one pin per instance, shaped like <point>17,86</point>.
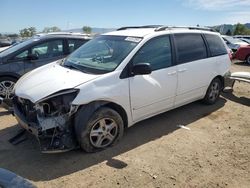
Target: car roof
<point>142,31</point>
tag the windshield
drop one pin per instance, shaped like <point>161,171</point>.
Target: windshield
<point>18,46</point>
<point>102,54</point>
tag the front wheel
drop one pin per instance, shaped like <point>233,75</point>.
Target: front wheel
<point>6,89</point>
<point>213,91</point>
<point>104,128</point>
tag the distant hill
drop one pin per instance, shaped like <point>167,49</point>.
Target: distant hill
<point>224,28</point>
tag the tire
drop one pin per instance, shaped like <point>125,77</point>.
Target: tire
<point>248,59</point>
<point>6,87</point>
<point>103,129</point>
<point>213,92</point>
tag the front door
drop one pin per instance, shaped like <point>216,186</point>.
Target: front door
<point>45,52</point>
<point>153,93</point>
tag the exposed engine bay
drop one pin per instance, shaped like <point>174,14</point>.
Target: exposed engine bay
<point>49,120</point>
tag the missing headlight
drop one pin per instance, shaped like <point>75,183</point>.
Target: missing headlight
<point>56,104</point>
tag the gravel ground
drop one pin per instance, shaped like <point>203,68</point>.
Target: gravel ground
<point>213,152</point>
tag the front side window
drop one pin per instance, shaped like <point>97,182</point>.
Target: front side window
<point>102,54</point>
<point>156,52</point>
<point>48,49</point>
<point>21,55</point>
<point>215,45</point>
<point>189,47</point>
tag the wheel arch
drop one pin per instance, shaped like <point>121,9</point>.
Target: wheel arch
<point>221,78</point>
<point>91,107</point>
<point>10,74</point>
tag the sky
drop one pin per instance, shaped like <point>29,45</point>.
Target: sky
<point>68,14</point>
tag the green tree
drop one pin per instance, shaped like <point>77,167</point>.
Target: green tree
<point>51,29</point>
<point>28,32</point>
<point>241,29</point>
<point>87,29</point>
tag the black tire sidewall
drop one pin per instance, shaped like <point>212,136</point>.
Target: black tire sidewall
<point>84,138</point>
<point>7,78</point>
<point>206,99</point>
<point>248,59</point>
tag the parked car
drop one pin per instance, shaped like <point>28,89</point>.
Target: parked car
<point>4,48</point>
<point>245,40</point>
<point>233,43</point>
<point>243,54</point>
<point>5,42</point>
<point>242,36</point>
<point>116,80</point>
<point>30,54</point>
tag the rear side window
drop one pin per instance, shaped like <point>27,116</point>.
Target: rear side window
<point>74,44</point>
<point>216,45</point>
<point>189,47</point>
<point>156,52</point>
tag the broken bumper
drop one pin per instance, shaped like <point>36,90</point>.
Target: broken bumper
<point>53,139</point>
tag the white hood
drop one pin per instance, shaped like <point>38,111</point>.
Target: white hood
<point>49,79</point>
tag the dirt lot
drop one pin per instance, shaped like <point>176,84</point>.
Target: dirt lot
<point>215,152</point>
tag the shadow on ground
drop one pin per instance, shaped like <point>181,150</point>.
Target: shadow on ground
<point>4,113</point>
<point>26,160</point>
<point>241,63</point>
<point>241,100</point>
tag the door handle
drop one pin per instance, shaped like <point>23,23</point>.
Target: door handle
<point>172,73</point>
<point>182,70</point>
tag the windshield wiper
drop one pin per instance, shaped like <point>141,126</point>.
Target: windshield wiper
<point>71,66</point>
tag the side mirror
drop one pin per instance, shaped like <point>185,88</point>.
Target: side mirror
<point>141,69</point>
<point>32,57</point>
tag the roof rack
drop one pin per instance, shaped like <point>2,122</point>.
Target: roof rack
<point>138,27</point>
<point>162,28</point>
<point>63,33</point>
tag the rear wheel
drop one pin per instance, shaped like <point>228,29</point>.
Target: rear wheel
<point>248,59</point>
<point>213,91</point>
<point>103,129</point>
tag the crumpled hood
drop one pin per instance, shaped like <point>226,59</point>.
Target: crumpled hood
<point>49,79</point>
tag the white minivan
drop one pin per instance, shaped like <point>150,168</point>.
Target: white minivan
<point>116,80</point>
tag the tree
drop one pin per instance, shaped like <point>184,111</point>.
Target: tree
<point>51,29</point>
<point>28,32</point>
<point>87,29</point>
<point>229,33</point>
<point>241,29</point>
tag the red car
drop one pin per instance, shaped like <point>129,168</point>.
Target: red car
<point>243,54</point>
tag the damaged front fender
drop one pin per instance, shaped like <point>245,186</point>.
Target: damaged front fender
<point>50,120</point>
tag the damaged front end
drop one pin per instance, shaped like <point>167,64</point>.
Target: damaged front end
<point>49,119</point>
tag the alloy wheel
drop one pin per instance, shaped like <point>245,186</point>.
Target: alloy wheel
<point>103,133</point>
<point>214,91</point>
<point>6,89</point>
